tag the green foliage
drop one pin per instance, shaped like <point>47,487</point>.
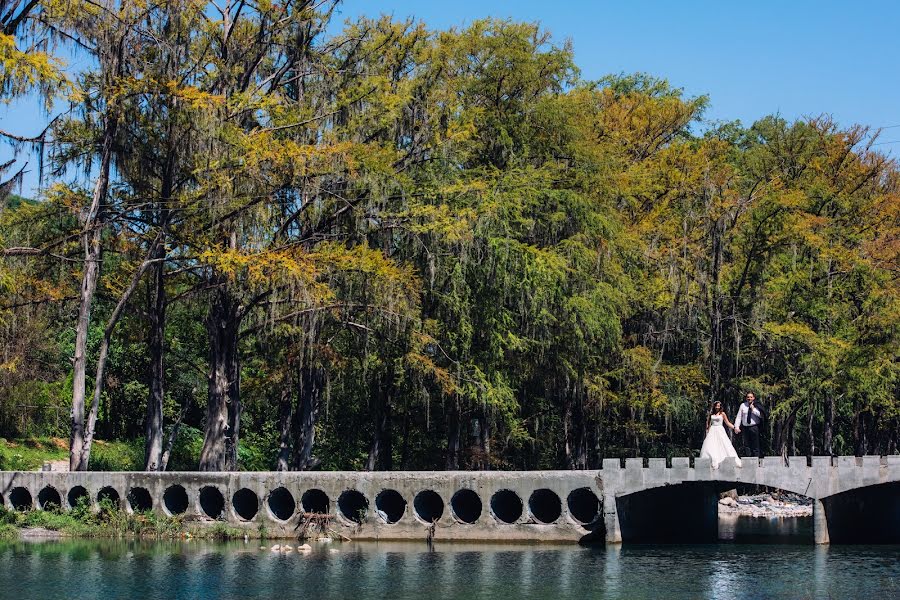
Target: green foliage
<point>445,249</point>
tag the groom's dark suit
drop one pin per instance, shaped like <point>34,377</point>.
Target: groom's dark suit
<point>749,421</point>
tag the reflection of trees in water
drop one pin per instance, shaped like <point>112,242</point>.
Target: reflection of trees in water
<point>121,568</point>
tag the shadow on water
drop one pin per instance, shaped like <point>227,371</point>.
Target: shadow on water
<point>765,530</point>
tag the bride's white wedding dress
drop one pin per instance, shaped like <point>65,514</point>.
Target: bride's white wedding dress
<point>717,447</point>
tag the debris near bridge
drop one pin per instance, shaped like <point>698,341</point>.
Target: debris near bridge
<point>767,505</point>
<point>317,526</point>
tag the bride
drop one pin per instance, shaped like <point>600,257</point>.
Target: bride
<point>717,446</point>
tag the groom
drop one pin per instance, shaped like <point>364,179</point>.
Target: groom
<point>748,420</point>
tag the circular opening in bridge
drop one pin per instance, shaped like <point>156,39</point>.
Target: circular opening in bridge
<point>49,498</point>
<point>139,499</point>
<point>429,506</point>
<point>507,506</point>
<point>78,495</point>
<point>584,506</point>
<point>108,496</point>
<point>353,506</point>
<point>466,506</point>
<point>212,502</point>
<point>175,499</point>
<point>20,499</point>
<point>545,506</point>
<point>281,504</point>
<point>245,503</point>
<point>315,501</point>
<point>2,500</point>
<point>390,505</point>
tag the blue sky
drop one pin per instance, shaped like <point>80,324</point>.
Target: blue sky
<point>752,58</point>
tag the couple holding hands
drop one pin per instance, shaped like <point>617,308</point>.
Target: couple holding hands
<point>748,420</point>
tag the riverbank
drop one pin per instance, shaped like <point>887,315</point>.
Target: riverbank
<point>113,523</point>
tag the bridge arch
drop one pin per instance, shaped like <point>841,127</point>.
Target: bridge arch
<point>683,512</point>
<point>864,515</point>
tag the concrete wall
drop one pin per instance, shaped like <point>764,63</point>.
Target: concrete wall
<point>389,505</point>
<point>512,505</point>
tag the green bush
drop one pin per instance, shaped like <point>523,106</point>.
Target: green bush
<point>109,521</point>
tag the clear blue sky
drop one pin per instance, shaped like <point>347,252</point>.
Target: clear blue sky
<point>753,58</point>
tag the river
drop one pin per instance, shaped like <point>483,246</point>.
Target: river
<point>733,568</point>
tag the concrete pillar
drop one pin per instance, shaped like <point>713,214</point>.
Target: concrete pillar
<point>611,520</point>
<point>820,523</point>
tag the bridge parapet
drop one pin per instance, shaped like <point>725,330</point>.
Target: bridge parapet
<point>818,477</point>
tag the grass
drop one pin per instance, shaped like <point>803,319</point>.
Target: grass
<point>29,454</point>
<point>110,522</point>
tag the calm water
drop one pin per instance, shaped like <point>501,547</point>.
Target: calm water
<point>104,569</point>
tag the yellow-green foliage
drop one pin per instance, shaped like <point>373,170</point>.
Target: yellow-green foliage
<point>444,248</point>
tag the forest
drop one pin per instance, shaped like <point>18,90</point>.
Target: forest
<point>270,239</point>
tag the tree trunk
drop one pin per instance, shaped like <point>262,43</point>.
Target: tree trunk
<point>153,426</point>
<point>173,435</point>
<point>452,463</point>
<point>486,441</point>
<point>153,423</point>
<point>220,436</point>
<point>92,227</point>
<point>286,413</point>
<point>828,432</point>
<point>778,437</point>
<point>859,435</point>
<point>574,429</point>
<point>381,449</point>
<point>78,459</point>
<point>312,384</point>
<point>404,447</point>
<point>810,429</point>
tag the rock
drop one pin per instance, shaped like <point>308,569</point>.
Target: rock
<point>325,540</point>
<point>728,501</point>
<point>729,494</point>
<point>763,505</point>
<point>276,548</point>
<point>333,550</point>
<point>39,533</point>
<point>287,548</point>
<point>304,548</point>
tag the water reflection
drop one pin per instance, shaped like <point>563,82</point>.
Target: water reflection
<point>90,569</point>
<point>772,530</point>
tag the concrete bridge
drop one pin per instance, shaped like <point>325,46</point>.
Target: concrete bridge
<point>855,499</point>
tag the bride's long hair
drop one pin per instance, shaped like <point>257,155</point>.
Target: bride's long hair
<point>713,410</point>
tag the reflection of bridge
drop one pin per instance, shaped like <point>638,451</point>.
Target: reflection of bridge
<point>855,499</point>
